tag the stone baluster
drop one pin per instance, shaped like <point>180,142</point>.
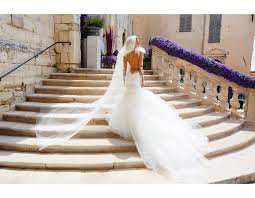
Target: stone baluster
<point>165,69</point>
<point>176,76</point>
<point>250,106</point>
<point>245,106</point>
<point>223,96</point>
<point>199,87</point>
<point>154,59</point>
<point>212,91</point>
<point>187,83</point>
<point>160,65</point>
<point>234,102</point>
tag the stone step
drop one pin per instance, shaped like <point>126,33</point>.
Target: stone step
<point>45,107</point>
<point>185,103</point>
<point>222,129</point>
<point>210,119</point>
<point>57,98</point>
<point>77,145</point>
<point>28,130</point>
<point>236,168</point>
<point>103,71</point>
<point>190,112</point>
<point>65,118</point>
<point>94,83</point>
<point>128,176</point>
<point>238,141</point>
<point>80,76</point>
<point>214,132</point>
<point>241,139</point>
<point>100,119</point>
<point>90,90</point>
<point>85,162</point>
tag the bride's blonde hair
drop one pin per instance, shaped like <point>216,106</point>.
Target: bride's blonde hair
<point>130,44</point>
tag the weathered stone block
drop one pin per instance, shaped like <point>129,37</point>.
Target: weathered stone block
<point>58,58</point>
<point>64,36</point>
<point>47,59</point>
<point>65,57</point>
<point>64,67</point>
<point>17,20</point>
<point>3,56</point>
<point>67,18</point>
<point>74,66</point>
<point>62,48</point>
<point>75,49</point>
<point>28,24</point>
<point>74,27</point>
<point>6,18</point>
<point>77,18</point>
<point>57,18</point>
<point>60,27</point>
<point>6,97</point>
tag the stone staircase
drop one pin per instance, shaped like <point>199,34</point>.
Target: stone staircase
<point>96,148</point>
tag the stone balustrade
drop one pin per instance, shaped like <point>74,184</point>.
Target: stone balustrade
<point>210,88</point>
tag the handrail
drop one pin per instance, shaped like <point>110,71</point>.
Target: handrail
<point>35,56</point>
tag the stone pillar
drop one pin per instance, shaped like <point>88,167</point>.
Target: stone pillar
<point>94,52</point>
<point>67,28</point>
<point>250,106</point>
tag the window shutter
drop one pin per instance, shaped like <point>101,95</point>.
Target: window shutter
<point>185,23</point>
<point>214,28</point>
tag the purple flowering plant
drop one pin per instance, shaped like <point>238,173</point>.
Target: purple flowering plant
<point>203,62</point>
<point>109,58</point>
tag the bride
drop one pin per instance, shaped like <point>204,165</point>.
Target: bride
<point>166,143</point>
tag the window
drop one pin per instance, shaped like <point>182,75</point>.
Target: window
<point>185,23</point>
<point>214,28</point>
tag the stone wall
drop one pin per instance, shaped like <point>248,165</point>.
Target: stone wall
<point>21,36</point>
<point>67,29</point>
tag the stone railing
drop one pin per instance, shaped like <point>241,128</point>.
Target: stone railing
<point>199,83</point>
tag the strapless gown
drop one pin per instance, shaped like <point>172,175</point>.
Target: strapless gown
<point>167,144</point>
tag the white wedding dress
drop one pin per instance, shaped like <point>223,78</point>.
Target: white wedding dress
<point>166,142</point>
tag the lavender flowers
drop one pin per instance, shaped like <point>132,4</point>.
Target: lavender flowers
<point>109,58</point>
<point>203,62</point>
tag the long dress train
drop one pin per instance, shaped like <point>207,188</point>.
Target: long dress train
<point>166,143</point>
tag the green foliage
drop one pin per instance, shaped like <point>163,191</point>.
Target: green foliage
<point>95,21</point>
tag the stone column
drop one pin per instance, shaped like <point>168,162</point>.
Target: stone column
<point>67,28</point>
<point>94,52</point>
<point>250,106</point>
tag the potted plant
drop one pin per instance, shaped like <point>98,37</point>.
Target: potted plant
<point>109,59</point>
<point>94,24</point>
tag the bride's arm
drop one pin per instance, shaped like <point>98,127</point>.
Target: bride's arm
<point>141,69</point>
<point>124,68</point>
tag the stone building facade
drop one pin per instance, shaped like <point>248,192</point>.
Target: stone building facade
<point>122,26</point>
<point>21,37</point>
<point>236,35</point>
